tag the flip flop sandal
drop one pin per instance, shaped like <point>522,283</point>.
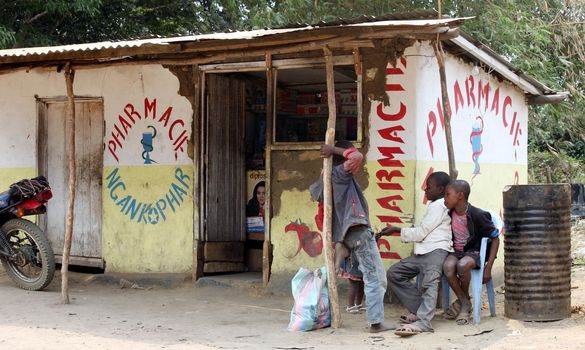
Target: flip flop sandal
<point>453,310</point>
<point>462,318</point>
<point>408,320</point>
<point>361,308</point>
<point>407,330</point>
<point>352,309</point>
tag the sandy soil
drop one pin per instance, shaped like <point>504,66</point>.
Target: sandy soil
<point>108,317</point>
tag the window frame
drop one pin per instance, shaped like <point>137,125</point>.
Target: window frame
<point>345,60</point>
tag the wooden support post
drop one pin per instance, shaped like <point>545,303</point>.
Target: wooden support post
<point>357,64</point>
<point>327,193</point>
<point>70,135</point>
<point>197,270</point>
<point>270,92</point>
<point>437,46</point>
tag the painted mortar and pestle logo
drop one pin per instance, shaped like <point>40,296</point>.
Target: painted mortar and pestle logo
<point>147,144</point>
<point>476,145</point>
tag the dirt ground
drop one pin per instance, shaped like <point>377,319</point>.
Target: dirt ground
<point>109,317</point>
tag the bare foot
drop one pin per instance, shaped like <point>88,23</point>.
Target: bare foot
<point>407,319</point>
<point>463,317</point>
<point>381,327</point>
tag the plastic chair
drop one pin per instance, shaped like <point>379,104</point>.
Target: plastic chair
<point>476,285</point>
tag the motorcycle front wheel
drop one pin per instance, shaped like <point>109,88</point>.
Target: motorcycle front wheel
<point>33,267</point>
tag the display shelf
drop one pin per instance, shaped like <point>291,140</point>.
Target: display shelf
<point>309,116</point>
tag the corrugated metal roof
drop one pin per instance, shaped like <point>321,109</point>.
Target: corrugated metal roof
<point>241,35</point>
<point>415,20</point>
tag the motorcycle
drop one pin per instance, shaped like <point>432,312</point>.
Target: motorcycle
<point>25,251</point>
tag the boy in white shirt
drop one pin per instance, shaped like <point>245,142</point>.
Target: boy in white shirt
<point>432,243</point>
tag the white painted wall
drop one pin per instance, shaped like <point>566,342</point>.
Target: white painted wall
<point>504,135</point>
<point>395,125</point>
<point>119,86</point>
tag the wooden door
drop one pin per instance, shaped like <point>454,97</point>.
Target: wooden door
<point>86,246</point>
<point>224,233</point>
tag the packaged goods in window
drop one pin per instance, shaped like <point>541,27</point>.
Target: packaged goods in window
<point>286,100</point>
<point>316,128</point>
<point>306,98</point>
<point>254,224</point>
<point>348,96</point>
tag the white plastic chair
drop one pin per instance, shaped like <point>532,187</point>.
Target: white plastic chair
<point>476,285</point>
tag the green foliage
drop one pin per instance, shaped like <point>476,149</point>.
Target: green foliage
<point>554,167</point>
<point>36,23</point>
<point>6,37</point>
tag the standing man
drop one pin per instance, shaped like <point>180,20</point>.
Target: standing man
<point>351,226</point>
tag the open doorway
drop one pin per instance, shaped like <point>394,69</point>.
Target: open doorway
<point>234,172</point>
<point>234,150</point>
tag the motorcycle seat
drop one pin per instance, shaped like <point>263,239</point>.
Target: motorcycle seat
<point>4,199</point>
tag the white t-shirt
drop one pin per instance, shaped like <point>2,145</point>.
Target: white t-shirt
<point>434,231</point>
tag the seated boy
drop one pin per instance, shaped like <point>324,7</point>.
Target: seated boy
<point>351,226</point>
<point>469,225</point>
<point>432,244</point>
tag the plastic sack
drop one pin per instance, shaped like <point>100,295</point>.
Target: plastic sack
<point>311,308</point>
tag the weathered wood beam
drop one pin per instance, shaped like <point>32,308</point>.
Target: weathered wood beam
<point>261,65</point>
<point>70,135</point>
<point>221,45</point>
<point>357,64</point>
<point>197,271</point>
<point>270,112</point>
<point>328,193</point>
<point>439,54</point>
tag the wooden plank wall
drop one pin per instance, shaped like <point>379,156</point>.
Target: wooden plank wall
<point>225,183</point>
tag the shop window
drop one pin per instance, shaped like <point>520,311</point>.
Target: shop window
<point>302,105</point>
<point>255,122</point>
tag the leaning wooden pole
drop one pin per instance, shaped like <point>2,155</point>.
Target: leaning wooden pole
<point>327,194</point>
<point>437,46</point>
<point>270,91</point>
<point>70,136</point>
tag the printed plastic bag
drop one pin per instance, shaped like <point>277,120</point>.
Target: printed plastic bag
<point>311,308</point>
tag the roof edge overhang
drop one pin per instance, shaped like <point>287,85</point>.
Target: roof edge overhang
<point>243,41</point>
<point>536,92</point>
<point>246,45</point>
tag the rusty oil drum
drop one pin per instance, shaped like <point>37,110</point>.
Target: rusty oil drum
<point>537,252</point>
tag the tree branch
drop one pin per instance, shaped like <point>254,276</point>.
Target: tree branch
<point>35,17</point>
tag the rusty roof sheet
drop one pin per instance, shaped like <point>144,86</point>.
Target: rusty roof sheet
<point>240,35</point>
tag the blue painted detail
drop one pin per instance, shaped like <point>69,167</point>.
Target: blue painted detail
<point>147,144</point>
<point>148,213</point>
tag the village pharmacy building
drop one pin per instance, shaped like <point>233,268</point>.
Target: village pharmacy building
<point>173,135</point>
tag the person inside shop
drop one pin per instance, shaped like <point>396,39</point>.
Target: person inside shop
<point>255,205</point>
